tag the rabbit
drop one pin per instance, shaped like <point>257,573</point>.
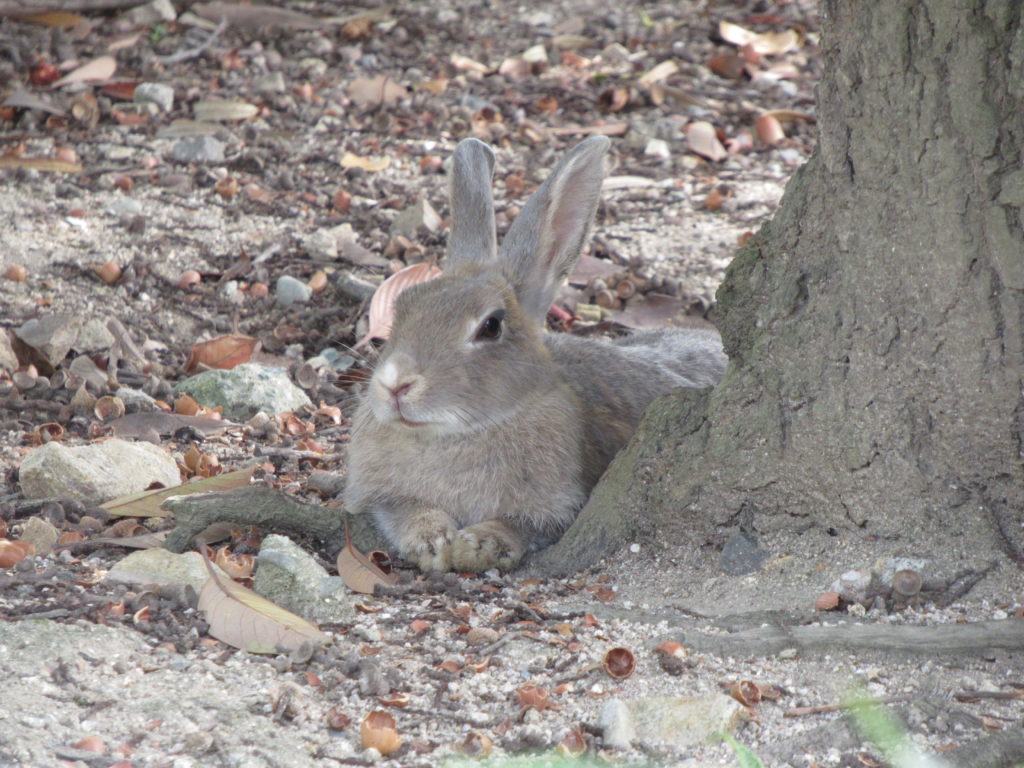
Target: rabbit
<point>480,436</point>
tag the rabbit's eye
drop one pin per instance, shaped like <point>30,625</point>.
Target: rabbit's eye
<point>490,329</point>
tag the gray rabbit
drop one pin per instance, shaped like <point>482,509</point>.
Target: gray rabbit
<point>480,435</point>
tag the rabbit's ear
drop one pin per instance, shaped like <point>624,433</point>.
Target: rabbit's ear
<point>545,241</point>
<point>472,237</point>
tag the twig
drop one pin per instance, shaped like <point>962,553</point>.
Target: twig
<point>193,53</point>
<point>822,709</point>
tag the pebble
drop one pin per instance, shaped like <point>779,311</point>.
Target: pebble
<point>245,390</point>
<point>272,83</point>
<point>290,577</point>
<point>290,291</point>
<point>93,474</point>
<point>198,149</point>
<point>136,401</point>
<point>155,93</point>
<point>160,566</point>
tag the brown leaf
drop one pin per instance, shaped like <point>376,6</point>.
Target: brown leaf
<point>243,619</point>
<point>40,164</point>
<point>382,305</point>
<point>223,352</point>
<point>358,571</point>
<point>29,100</point>
<point>53,18</point>
<point>767,43</point>
<point>99,69</point>
<point>147,503</point>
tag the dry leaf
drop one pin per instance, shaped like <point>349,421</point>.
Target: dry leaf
<point>53,18</point>
<point>223,352</point>
<point>382,305</point>
<point>147,503</point>
<point>97,70</point>
<point>241,618</point>
<point>466,64</point>
<point>374,91</point>
<point>40,164</point>
<point>766,43</point>
<point>241,15</point>
<point>370,164</point>
<point>702,139</point>
<point>790,116</point>
<point>28,100</point>
<point>213,111</point>
<point>358,571</point>
<point>659,73</point>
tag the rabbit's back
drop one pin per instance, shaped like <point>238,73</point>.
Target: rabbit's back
<point>616,381</point>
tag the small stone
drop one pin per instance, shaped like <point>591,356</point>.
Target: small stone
<point>52,336</point>
<point>272,83</point>
<point>93,474</point>
<point>370,634</point>
<point>124,206</point>
<point>481,636</point>
<point>741,554</point>
<point>682,722</point>
<point>8,360</point>
<point>419,215</point>
<point>658,148</point>
<point>136,401</point>
<point>321,244</point>
<point>536,54</point>
<point>160,566</point>
<point>245,390</point>
<point>788,653</point>
<point>40,534</point>
<point>290,291</point>
<point>290,577</point>
<point>155,93</point>
<point>154,12</point>
<point>198,149</point>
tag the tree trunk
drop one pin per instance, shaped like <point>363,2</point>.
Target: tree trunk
<point>874,326</point>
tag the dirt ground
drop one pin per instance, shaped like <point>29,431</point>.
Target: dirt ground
<point>330,121</point>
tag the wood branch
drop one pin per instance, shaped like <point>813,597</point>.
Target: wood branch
<point>29,7</point>
<point>268,509</point>
<point>976,638</point>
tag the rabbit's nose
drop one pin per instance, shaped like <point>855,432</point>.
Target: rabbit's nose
<point>401,389</point>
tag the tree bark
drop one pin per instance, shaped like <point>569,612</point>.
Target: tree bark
<point>874,326</point>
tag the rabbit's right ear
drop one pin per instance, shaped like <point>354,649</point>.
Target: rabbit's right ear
<point>472,237</point>
<point>544,242</point>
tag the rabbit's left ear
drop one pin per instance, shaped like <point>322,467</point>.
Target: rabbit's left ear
<point>472,237</point>
<point>544,242</point>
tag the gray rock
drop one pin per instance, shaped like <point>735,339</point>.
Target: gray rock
<point>155,93</point>
<point>272,83</point>
<point>419,215</point>
<point>52,336</point>
<point>198,149</point>
<point>153,13</point>
<point>245,390</point>
<point>93,474</point>
<point>136,401</point>
<point>158,566</point>
<point>8,360</point>
<point>40,533</point>
<point>289,290</point>
<point>684,721</point>
<point>741,554</point>
<point>94,335</point>
<point>290,577</point>
<point>658,148</point>
<point>321,244</point>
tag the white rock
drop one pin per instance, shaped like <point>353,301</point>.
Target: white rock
<point>159,566</point>
<point>96,473</point>
<point>420,214</point>
<point>155,93</point>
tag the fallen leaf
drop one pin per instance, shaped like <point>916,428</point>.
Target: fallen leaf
<point>466,64</point>
<point>240,15</point>
<point>40,164</point>
<point>659,73</point>
<point>223,352</point>
<point>147,503</point>
<point>370,164</point>
<point>374,91</point>
<point>243,619</point>
<point>358,571</point>
<point>382,305</point>
<point>53,18</point>
<point>702,139</point>
<point>97,70</point>
<point>216,110</point>
<point>766,43</point>
<point>29,100</point>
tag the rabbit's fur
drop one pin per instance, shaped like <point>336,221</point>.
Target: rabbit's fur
<point>480,436</point>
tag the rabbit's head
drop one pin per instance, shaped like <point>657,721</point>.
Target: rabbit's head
<point>466,350</point>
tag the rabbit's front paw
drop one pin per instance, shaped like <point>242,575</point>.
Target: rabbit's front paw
<point>426,541</point>
<point>487,545</point>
